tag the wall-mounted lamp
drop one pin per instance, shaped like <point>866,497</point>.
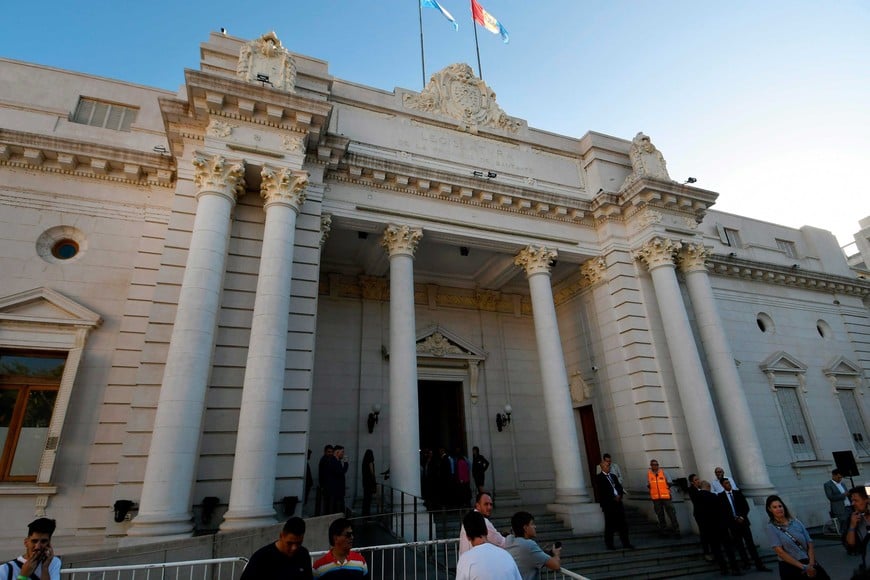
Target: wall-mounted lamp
<point>502,421</point>
<point>373,417</point>
<point>122,508</point>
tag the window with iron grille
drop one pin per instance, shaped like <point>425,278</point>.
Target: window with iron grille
<point>102,114</point>
<point>795,423</point>
<point>854,421</point>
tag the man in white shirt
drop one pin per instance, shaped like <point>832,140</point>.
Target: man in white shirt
<point>38,560</point>
<point>716,485</point>
<point>483,506</point>
<point>483,561</point>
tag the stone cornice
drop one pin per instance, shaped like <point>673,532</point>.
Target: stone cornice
<point>405,178</point>
<point>91,160</point>
<point>655,193</point>
<point>784,276</point>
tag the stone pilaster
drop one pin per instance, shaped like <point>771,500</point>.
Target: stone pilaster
<point>593,270</point>
<point>400,243</point>
<point>658,255</point>
<point>169,475</point>
<point>740,429</point>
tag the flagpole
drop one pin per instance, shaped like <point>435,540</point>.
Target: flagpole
<point>422,55</point>
<point>476,46</point>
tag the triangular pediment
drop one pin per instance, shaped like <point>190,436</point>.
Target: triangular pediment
<point>437,341</point>
<point>841,366</point>
<point>46,306</point>
<point>782,362</point>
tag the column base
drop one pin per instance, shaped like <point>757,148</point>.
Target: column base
<point>244,519</point>
<point>582,518</point>
<point>569,496</point>
<point>158,528</point>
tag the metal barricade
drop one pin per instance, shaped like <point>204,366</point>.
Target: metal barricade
<point>213,569</point>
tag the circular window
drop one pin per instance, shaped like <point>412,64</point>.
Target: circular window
<point>764,322</point>
<point>65,249</point>
<point>61,244</point>
<point>823,328</point>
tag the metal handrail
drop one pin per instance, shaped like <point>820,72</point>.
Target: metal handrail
<point>108,572</point>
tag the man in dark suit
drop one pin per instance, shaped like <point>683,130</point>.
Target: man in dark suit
<point>735,510</point>
<point>835,491</point>
<point>610,494</point>
<point>712,525</point>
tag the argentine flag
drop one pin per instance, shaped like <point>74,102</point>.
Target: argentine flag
<point>447,15</point>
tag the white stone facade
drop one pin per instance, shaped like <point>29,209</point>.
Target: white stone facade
<point>428,249</point>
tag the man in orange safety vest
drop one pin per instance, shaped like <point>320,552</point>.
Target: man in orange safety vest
<point>660,492</point>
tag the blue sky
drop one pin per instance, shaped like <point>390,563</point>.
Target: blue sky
<point>765,102</point>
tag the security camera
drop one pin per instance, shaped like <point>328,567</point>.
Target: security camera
<point>595,368</point>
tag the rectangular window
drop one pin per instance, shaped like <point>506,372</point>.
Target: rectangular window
<point>28,390</point>
<point>854,422</point>
<point>787,247</point>
<point>733,237</point>
<point>795,422</point>
<point>101,114</point>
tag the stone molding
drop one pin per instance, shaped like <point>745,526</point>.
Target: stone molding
<point>536,260</point>
<point>218,128</point>
<point>90,160</point>
<point>399,240</point>
<point>486,299</point>
<point>456,93</point>
<point>267,56</point>
<point>692,257</point>
<point>784,276</point>
<point>283,186</point>
<point>657,252</point>
<point>374,288</point>
<point>216,174</point>
<point>437,345</point>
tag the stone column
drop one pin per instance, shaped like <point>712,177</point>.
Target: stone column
<point>700,415</point>
<point>739,427</point>
<point>570,480</point>
<point>255,464</point>
<point>165,504</point>
<point>401,243</point>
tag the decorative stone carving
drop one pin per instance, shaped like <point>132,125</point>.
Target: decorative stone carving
<point>455,92</point>
<point>593,270</point>
<point>266,56</point>
<point>648,218</point>
<point>283,185</point>
<point>218,128</point>
<point>217,174</point>
<point>374,288</point>
<point>536,260</point>
<point>486,299</point>
<point>657,252</point>
<point>646,161</point>
<point>436,344</point>
<point>325,227</point>
<point>293,144</point>
<point>693,258</point>
<point>401,239</point>
<point>580,389</point>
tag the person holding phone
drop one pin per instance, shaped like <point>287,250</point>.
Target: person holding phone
<point>38,560</point>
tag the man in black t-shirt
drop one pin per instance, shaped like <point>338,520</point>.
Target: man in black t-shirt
<point>285,559</point>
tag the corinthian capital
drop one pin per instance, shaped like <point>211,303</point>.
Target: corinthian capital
<point>216,174</point>
<point>284,186</point>
<point>401,240</point>
<point>325,227</point>
<point>693,258</point>
<point>535,260</point>
<point>593,270</point>
<point>658,252</point>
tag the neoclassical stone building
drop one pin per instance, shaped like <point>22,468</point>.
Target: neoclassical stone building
<point>197,287</point>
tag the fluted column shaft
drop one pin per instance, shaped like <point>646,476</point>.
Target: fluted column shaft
<point>165,504</point>
<point>255,464</point>
<point>570,479</point>
<point>700,415</point>
<point>401,243</point>
<point>740,429</point>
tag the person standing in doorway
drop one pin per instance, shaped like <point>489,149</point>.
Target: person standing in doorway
<point>323,501</point>
<point>479,465</point>
<point>369,481</point>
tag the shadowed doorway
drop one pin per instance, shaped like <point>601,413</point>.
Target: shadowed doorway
<point>442,417</point>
